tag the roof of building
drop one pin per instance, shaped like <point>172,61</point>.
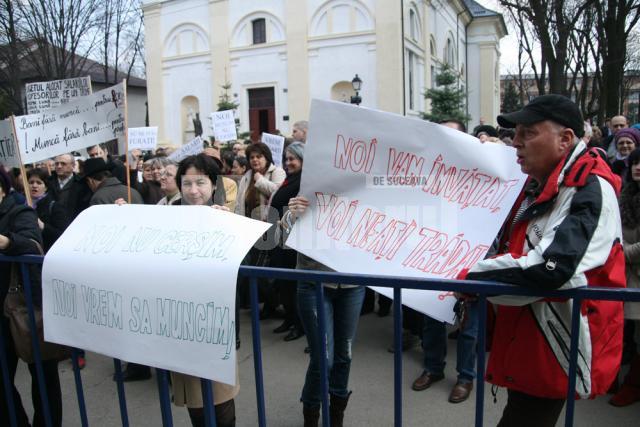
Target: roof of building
<point>477,10</point>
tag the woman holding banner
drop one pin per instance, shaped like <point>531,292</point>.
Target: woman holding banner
<point>196,177</point>
<point>342,304</point>
<point>282,257</point>
<point>168,184</point>
<point>20,235</point>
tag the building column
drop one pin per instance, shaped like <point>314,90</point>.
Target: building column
<point>219,48</point>
<point>489,105</point>
<point>297,61</point>
<point>389,55</point>
<point>153,54</point>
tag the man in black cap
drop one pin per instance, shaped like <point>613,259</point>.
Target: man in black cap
<point>563,232</point>
<point>106,188</point>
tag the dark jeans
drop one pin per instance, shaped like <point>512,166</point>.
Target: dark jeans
<point>434,344</point>
<point>52,385</point>
<point>287,289</point>
<point>342,312</point>
<point>524,410</point>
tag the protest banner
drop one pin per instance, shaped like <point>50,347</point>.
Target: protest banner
<point>86,121</point>
<point>224,125</point>
<point>151,285</point>
<point>195,146</point>
<point>42,96</point>
<point>404,197</point>
<point>8,153</point>
<point>276,145</point>
<point>143,138</point>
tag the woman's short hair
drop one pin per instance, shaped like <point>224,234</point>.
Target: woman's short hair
<point>242,161</point>
<point>201,162</point>
<point>633,158</point>
<point>39,173</point>
<point>260,148</point>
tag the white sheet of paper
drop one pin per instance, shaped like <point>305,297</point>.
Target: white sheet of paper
<point>189,149</point>
<point>276,145</point>
<point>224,125</point>
<point>150,284</point>
<point>8,155</point>
<point>143,138</point>
<point>86,121</point>
<point>42,96</point>
<point>397,196</point>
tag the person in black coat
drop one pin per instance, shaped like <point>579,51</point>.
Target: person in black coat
<point>20,235</point>
<point>52,216</point>
<point>283,257</point>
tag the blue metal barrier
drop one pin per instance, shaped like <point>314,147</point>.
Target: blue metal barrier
<point>483,289</point>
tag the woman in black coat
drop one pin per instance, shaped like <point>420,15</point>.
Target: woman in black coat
<point>52,216</point>
<point>20,235</point>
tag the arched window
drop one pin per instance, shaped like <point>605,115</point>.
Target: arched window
<point>342,91</point>
<point>259,27</point>
<point>415,30</point>
<point>186,39</point>
<point>341,16</point>
<point>450,53</point>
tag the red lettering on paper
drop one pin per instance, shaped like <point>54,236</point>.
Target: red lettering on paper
<point>354,154</point>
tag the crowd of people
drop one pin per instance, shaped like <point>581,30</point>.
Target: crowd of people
<point>565,230</point>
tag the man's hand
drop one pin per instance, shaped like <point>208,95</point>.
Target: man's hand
<point>120,202</point>
<point>4,242</point>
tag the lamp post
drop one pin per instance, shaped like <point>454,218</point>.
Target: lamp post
<point>357,85</point>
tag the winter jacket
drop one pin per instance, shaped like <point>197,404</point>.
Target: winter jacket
<point>111,190</point>
<point>265,186</point>
<point>569,236</point>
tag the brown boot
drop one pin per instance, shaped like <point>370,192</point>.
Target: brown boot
<point>629,391</point>
<point>337,406</point>
<point>311,415</point>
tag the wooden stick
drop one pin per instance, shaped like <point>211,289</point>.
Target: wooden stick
<point>23,171</point>
<point>126,143</point>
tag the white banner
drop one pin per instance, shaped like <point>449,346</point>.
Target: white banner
<point>224,125</point>
<point>195,146</point>
<point>8,155</point>
<point>43,96</point>
<point>276,145</point>
<point>150,284</point>
<point>404,197</point>
<point>70,127</point>
<point>145,138</point>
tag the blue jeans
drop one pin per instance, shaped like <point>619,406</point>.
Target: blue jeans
<point>434,344</point>
<point>342,312</point>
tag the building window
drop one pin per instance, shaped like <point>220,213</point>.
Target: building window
<point>433,77</point>
<point>412,60</point>
<point>450,53</point>
<point>413,25</point>
<point>259,31</point>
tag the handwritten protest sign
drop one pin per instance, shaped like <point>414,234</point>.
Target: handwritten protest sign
<point>154,285</point>
<point>397,196</point>
<point>78,124</point>
<point>8,155</point>
<point>43,96</point>
<point>144,138</point>
<point>276,145</point>
<point>224,125</point>
<point>189,149</point>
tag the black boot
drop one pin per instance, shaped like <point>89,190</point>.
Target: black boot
<point>337,406</point>
<point>311,415</point>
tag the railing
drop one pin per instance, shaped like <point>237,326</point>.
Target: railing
<point>482,289</point>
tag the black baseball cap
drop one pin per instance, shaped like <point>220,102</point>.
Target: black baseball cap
<point>552,107</point>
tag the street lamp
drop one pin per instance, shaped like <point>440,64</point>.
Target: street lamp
<point>357,85</point>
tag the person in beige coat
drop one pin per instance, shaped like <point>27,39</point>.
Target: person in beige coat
<point>629,392</point>
<point>196,178</point>
<point>259,183</point>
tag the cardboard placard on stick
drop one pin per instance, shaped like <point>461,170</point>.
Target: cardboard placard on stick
<point>42,96</point>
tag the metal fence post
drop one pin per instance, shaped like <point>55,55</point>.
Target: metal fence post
<point>35,343</point>
<point>397,356</point>
<point>163,394</point>
<point>573,361</point>
<point>322,347</point>
<point>207,398</point>
<point>79,390</point>
<point>257,350</point>
<point>480,358</point>
<point>124,416</point>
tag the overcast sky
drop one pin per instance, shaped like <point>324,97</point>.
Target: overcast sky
<point>508,45</point>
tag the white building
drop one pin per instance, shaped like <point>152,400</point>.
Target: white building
<point>279,54</point>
